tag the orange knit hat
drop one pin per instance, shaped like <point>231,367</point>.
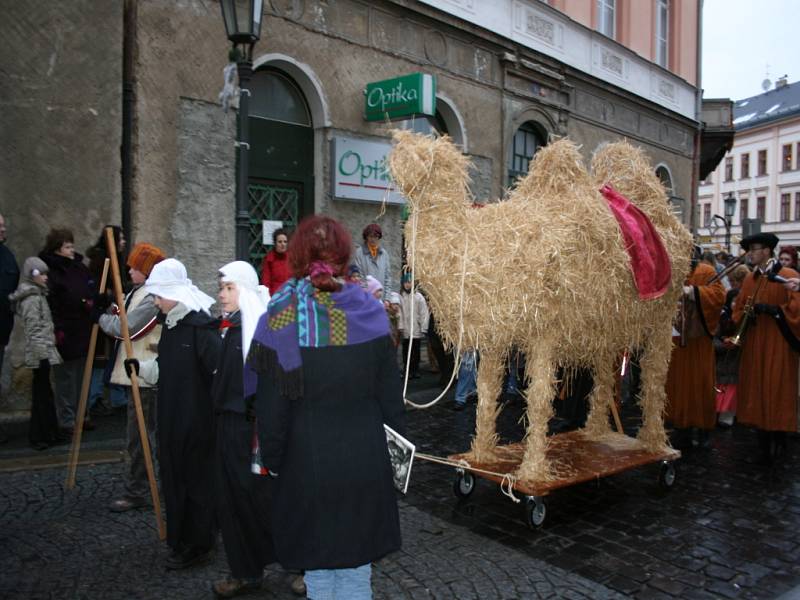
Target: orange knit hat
<point>144,257</point>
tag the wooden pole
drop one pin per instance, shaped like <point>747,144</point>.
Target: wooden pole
<point>77,431</point>
<point>137,400</point>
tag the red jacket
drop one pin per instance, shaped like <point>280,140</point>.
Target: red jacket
<point>275,270</point>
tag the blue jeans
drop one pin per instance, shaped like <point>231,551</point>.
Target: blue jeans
<point>117,395</point>
<point>466,384</point>
<point>339,584</point>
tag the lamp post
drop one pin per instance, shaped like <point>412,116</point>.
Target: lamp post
<point>730,208</point>
<point>243,26</point>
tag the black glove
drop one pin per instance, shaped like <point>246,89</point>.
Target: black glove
<point>766,309</point>
<point>250,408</point>
<point>131,364</point>
<point>44,363</point>
<point>102,301</point>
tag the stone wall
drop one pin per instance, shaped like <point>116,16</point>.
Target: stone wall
<point>60,126</point>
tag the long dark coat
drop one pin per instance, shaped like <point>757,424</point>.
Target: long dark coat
<point>71,292</point>
<point>334,505</point>
<point>9,278</point>
<point>187,357</point>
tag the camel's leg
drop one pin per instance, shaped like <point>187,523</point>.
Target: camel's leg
<point>490,380</point>
<point>541,390</point>
<point>597,423</point>
<point>655,364</point>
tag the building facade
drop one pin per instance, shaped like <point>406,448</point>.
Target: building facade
<point>114,114</point>
<point>761,171</point>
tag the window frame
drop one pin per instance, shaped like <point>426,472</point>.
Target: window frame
<point>762,163</point>
<point>662,19</point>
<point>744,208</point>
<point>744,166</point>
<point>728,168</point>
<point>786,158</point>
<point>532,129</point>
<point>761,208</point>
<point>786,207</point>
<point>605,7</point>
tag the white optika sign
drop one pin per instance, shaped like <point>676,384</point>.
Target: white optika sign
<point>360,171</point>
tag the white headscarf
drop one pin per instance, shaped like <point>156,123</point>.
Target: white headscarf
<point>253,298</point>
<point>168,279</point>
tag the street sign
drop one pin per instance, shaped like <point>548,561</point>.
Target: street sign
<point>360,172</point>
<point>413,94</point>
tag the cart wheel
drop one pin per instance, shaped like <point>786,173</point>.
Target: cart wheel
<point>535,511</point>
<point>464,484</point>
<point>667,475</point>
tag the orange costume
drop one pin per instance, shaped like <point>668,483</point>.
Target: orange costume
<point>690,381</point>
<point>767,389</point>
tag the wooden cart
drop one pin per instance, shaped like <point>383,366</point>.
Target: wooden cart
<point>575,459</point>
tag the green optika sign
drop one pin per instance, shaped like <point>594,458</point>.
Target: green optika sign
<point>413,94</point>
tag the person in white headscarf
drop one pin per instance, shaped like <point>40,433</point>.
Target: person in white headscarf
<point>188,352</point>
<point>242,495</point>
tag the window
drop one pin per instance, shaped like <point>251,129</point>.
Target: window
<point>706,214</point>
<point>745,166</point>
<point>797,155</point>
<point>786,163</point>
<point>743,210</point>
<point>527,140</point>
<point>786,204</point>
<point>761,209</point>
<point>797,206</point>
<point>762,162</point>
<point>666,179</point>
<point>729,168</point>
<point>607,18</point>
<point>662,33</point>
<point>275,96</point>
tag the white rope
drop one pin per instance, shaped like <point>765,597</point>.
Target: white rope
<point>507,483</point>
<point>457,361</point>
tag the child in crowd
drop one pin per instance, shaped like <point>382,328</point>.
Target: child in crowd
<point>29,302</point>
<point>188,352</point>
<point>414,319</point>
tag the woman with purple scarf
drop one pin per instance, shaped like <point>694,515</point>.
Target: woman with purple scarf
<point>327,383</point>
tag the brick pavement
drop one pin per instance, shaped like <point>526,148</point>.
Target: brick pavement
<point>727,530</point>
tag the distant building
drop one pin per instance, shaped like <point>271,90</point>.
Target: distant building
<point>761,171</point>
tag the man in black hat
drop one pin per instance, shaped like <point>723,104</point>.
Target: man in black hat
<point>767,388</point>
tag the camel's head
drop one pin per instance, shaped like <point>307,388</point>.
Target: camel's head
<point>425,165</point>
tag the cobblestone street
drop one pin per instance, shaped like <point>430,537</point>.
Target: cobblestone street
<point>728,529</point>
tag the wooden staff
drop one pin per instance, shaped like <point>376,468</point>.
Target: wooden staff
<point>77,431</point>
<point>137,401</point>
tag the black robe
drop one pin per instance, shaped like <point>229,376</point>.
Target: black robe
<point>187,357</point>
<point>334,505</point>
<point>243,498</point>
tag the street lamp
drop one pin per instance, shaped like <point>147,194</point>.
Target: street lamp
<point>730,209</point>
<point>243,26</point>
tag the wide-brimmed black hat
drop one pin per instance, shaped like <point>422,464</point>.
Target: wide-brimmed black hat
<point>765,239</point>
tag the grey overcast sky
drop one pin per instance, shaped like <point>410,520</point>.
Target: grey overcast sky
<point>742,37</point>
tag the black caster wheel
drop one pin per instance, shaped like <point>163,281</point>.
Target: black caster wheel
<point>667,475</point>
<point>464,484</point>
<point>535,511</point>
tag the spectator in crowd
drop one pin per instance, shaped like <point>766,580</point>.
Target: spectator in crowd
<point>324,394</point>
<point>466,386</point>
<point>71,295</point>
<point>727,356</point>
<point>275,266</point>
<point>372,259</point>
<point>9,278</point>
<point>243,497</point>
<point>413,316</point>
<point>145,333</point>
<point>788,257</point>
<point>30,303</point>
<point>188,352</point>
<point>104,397</point>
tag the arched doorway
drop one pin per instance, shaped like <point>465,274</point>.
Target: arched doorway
<point>281,175</point>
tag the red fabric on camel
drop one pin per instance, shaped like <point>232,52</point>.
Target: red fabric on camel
<point>650,263</point>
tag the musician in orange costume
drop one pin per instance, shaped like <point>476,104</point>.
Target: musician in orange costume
<point>767,389</point>
<point>691,398</point>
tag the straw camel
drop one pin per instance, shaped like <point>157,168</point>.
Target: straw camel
<point>544,271</point>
